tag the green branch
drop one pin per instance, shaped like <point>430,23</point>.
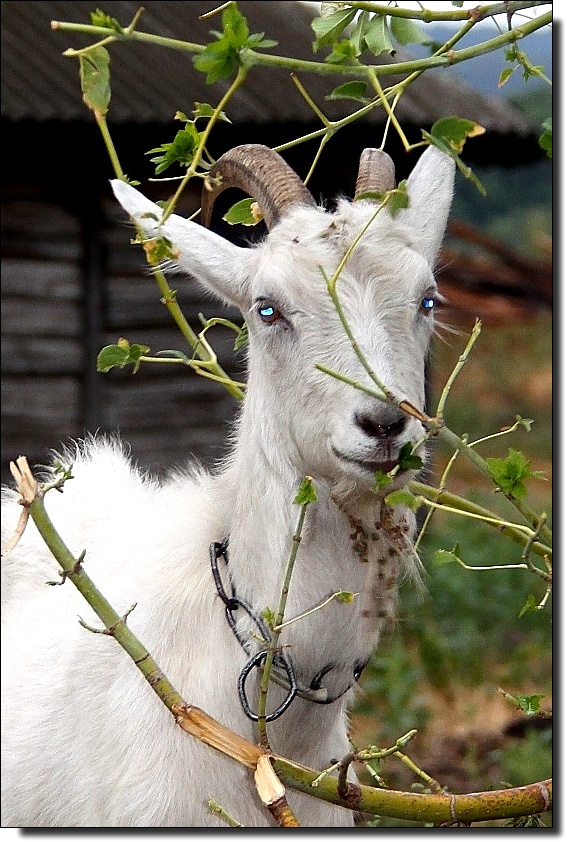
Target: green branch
<point>72,567</point>
<point>306,496</point>
<point>446,498</point>
<point>428,16</point>
<point>417,807</point>
<point>251,58</point>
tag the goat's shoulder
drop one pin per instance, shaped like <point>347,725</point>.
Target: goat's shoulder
<point>127,521</point>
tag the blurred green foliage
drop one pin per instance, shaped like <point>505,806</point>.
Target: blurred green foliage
<point>518,199</point>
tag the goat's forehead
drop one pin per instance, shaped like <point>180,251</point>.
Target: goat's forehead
<point>308,246</point>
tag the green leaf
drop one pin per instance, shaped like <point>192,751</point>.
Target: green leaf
<point>405,31</point>
<point>509,474</point>
<point>530,605</point>
<point>454,131</point>
<point>181,151</point>
<point>221,59</point>
<point>505,75</point>
<point>94,74</point>
<point>100,18</point>
<point>403,497</point>
<point>258,42</point>
<point>408,460</point>
<point>514,54</point>
<point>377,36</point>
<point>345,597</point>
<point>243,213</point>
<point>343,53</point>
<point>111,356</point>
<point>444,557</point>
<point>329,27</point>
<point>398,199</point>
<point>218,62</point>
<point>358,35</point>
<point>350,90</point>
<point>447,557</point>
<point>530,704</point>
<point>242,339</point>
<point>526,423</point>
<point>381,480</point>
<point>306,493</point>
<point>203,109</point>
<point>159,249</point>
<point>120,355</point>
<point>446,147</point>
<point>269,615</point>
<point>235,26</point>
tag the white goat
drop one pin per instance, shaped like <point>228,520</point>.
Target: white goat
<point>86,743</point>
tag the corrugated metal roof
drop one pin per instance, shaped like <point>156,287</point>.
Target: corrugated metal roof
<point>149,83</point>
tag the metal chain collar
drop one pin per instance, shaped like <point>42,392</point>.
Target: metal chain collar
<point>283,672</point>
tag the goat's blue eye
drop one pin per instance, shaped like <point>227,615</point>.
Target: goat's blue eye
<point>269,314</point>
<point>428,303</point>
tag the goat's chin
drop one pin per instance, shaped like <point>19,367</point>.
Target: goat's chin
<point>353,484</point>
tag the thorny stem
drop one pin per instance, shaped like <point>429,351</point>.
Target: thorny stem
<point>458,367</point>
<point>495,521</point>
<point>114,623</point>
<point>391,117</point>
<point>429,514</point>
<point>407,761</point>
<point>438,807</point>
<point>238,81</point>
<point>428,15</point>
<point>499,434</point>
<point>253,58</point>
<point>169,297</point>
<point>457,443</point>
<point>460,504</point>
<point>277,627</point>
<point>363,756</point>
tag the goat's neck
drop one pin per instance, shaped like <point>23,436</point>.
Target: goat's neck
<point>349,542</point>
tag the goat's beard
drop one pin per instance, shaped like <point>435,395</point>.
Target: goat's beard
<point>350,491</point>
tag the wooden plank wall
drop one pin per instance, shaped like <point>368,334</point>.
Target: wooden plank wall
<point>166,413</point>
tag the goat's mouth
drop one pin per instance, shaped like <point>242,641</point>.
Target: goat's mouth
<point>371,466</point>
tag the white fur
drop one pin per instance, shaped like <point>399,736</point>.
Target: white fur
<point>86,741</point>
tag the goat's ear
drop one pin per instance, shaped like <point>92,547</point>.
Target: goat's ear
<point>430,190</point>
<point>216,263</point>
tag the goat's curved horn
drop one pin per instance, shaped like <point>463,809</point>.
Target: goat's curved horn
<point>263,174</point>
<point>376,172</point>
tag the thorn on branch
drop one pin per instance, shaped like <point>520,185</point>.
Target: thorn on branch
<point>64,574</point>
<point>111,630</point>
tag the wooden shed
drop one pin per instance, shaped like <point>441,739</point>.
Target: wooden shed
<point>71,281</point>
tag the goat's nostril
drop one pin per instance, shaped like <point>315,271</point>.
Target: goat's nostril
<point>381,427</point>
